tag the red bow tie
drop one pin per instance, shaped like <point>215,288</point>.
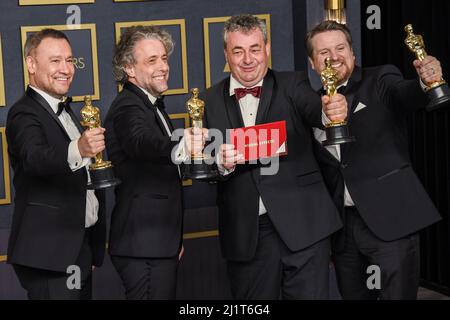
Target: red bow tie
<point>242,92</point>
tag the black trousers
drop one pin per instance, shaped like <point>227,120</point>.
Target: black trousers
<point>275,272</point>
<point>398,262</point>
<point>147,278</point>
<point>52,285</point>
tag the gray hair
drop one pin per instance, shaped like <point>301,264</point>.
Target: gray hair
<point>324,26</point>
<point>123,53</point>
<point>35,39</point>
<point>244,23</point>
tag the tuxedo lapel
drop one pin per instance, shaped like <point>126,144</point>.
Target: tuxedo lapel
<point>350,93</point>
<point>351,90</point>
<point>142,96</point>
<point>266,98</point>
<point>232,107</point>
<point>41,101</point>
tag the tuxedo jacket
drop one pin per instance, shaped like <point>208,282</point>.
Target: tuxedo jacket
<point>50,199</point>
<point>376,167</point>
<point>295,197</point>
<point>148,214</point>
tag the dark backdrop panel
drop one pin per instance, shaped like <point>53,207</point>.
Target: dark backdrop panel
<point>202,271</point>
<point>429,132</point>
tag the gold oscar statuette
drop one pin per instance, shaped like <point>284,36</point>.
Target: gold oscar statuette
<point>438,92</point>
<point>337,131</point>
<point>101,171</point>
<point>198,169</point>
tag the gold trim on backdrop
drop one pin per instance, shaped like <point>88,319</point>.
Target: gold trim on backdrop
<point>182,24</point>
<point>185,117</point>
<point>3,258</point>
<point>39,2</point>
<point>2,81</point>
<point>63,27</point>
<point>206,22</point>
<point>6,179</point>
<point>201,234</point>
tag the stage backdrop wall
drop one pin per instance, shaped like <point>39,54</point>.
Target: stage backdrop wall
<point>197,62</point>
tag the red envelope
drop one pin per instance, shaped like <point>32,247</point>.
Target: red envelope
<point>261,141</point>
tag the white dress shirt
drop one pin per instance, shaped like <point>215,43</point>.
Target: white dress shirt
<point>249,109</point>
<point>74,158</point>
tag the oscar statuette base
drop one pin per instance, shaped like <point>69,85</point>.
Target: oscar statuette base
<point>439,97</point>
<point>198,169</point>
<point>102,178</point>
<point>337,134</point>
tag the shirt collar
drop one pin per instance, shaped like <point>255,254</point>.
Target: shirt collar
<point>342,84</point>
<point>52,101</point>
<point>234,84</point>
<point>149,95</point>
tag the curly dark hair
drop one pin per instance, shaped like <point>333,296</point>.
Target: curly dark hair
<point>123,52</point>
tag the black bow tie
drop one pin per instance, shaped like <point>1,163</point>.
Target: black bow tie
<point>340,90</point>
<point>159,103</point>
<point>64,105</point>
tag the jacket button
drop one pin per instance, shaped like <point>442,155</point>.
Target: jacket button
<point>344,165</point>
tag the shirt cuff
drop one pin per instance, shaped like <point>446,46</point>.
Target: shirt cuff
<point>181,153</point>
<point>74,158</point>
<point>325,119</point>
<point>423,85</point>
<point>221,168</point>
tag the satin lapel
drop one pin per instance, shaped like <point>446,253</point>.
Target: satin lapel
<point>350,92</point>
<point>138,92</point>
<point>232,107</point>
<point>41,101</point>
<point>266,97</point>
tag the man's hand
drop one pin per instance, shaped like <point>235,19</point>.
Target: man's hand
<point>229,156</point>
<point>91,142</point>
<point>335,108</point>
<point>429,70</point>
<point>194,139</point>
<point>181,253</point>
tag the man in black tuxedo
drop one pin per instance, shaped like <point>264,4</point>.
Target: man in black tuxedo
<point>274,229</point>
<point>57,222</point>
<point>147,220</point>
<point>382,201</point>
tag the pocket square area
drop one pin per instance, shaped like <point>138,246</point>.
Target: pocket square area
<point>359,107</point>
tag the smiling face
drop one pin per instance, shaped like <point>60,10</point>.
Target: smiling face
<point>247,56</point>
<point>151,68</point>
<point>50,67</point>
<point>334,45</point>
